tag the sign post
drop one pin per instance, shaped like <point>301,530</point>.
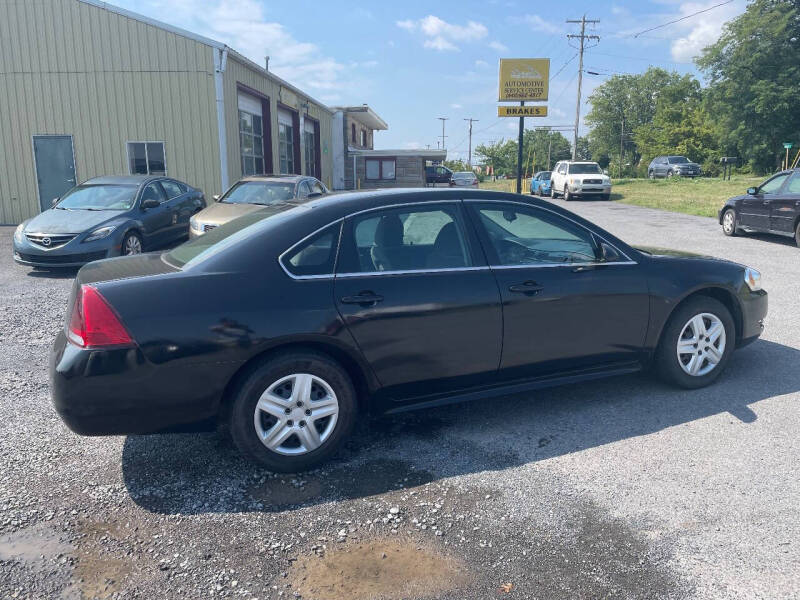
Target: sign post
<point>787,145</point>
<point>521,80</point>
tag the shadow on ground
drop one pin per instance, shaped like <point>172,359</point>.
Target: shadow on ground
<point>203,473</point>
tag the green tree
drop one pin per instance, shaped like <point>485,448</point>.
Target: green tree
<point>584,151</point>
<point>624,103</point>
<point>537,146</point>
<point>753,72</point>
<point>456,165</point>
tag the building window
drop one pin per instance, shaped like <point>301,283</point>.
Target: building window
<point>380,168</point>
<point>310,147</point>
<point>352,133</point>
<point>286,142</point>
<point>251,138</point>
<point>364,138</point>
<point>146,158</point>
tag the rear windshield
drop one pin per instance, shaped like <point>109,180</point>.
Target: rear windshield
<point>265,193</point>
<point>584,168</point>
<point>464,175</point>
<point>219,238</point>
<point>99,197</point>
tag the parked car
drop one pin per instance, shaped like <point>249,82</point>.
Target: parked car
<point>287,325</point>
<point>670,166</point>
<point>437,174</point>
<point>540,184</point>
<point>464,179</point>
<point>772,207</point>
<point>253,193</point>
<point>574,179</point>
<point>108,216</point>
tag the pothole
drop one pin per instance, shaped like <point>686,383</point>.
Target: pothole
<point>379,569</point>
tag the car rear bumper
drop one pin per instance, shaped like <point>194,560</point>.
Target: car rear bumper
<point>118,391</point>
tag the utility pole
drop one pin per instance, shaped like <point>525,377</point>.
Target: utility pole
<point>443,119</point>
<point>621,146</point>
<point>549,148</point>
<point>469,159</point>
<point>582,37</point>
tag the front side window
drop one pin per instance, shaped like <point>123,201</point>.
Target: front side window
<point>407,239</point>
<point>153,192</point>
<point>286,147</point>
<point>146,158</point>
<point>794,185</point>
<point>314,256</point>
<point>172,188</point>
<point>251,138</point>
<point>520,236</point>
<point>773,185</point>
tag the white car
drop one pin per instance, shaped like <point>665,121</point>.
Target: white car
<point>573,179</point>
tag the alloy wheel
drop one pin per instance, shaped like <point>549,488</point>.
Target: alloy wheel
<point>728,222</point>
<point>133,245</point>
<point>296,414</point>
<point>701,344</point>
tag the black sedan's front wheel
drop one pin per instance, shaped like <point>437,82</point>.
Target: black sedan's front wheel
<point>293,411</point>
<point>696,343</point>
<point>729,222</point>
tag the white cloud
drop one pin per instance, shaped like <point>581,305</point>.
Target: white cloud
<point>701,31</point>
<point>243,25</point>
<point>495,45</point>
<point>441,35</point>
<point>537,23</point>
<point>454,105</point>
<point>481,64</point>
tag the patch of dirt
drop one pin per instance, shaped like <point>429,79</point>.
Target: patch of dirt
<point>280,493</point>
<point>385,569</point>
<point>31,545</point>
<point>99,576</point>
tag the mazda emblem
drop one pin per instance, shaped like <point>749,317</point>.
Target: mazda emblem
<point>46,241</point>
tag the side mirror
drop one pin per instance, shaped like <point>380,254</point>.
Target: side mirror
<point>751,191</point>
<point>216,197</point>
<point>54,202</point>
<point>315,194</point>
<point>605,171</point>
<point>150,203</point>
<point>608,253</point>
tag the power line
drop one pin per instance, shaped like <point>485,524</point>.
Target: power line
<point>582,37</point>
<point>694,14</point>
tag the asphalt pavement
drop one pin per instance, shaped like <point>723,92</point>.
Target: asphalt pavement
<point>621,488</point>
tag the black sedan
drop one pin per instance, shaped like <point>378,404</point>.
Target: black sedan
<point>108,216</point>
<point>772,207</point>
<point>286,325</point>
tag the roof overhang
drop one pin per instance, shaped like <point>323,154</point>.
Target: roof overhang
<point>364,115</point>
<point>423,152</point>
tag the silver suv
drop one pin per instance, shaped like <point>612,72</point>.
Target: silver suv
<point>573,179</point>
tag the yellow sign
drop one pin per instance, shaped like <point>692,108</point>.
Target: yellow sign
<point>521,111</point>
<point>523,79</point>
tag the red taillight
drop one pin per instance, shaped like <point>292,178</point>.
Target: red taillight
<point>93,323</point>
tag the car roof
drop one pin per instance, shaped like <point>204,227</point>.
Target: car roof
<point>121,179</point>
<point>283,178</point>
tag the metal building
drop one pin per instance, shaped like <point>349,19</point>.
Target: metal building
<point>88,89</point>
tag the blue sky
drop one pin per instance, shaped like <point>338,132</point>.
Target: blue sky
<point>415,61</point>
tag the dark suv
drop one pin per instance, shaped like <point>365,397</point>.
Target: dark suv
<point>437,174</point>
<point>670,166</point>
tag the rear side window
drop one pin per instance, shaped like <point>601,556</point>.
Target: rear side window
<point>172,188</point>
<point>315,255</point>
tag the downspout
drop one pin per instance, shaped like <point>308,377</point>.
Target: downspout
<point>220,62</point>
<point>355,187</point>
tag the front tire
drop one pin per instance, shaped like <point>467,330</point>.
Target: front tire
<point>651,175</point>
<point>729,222</point>
<point>797,234</point>
<point>293,412</point>
<point>567,196</point>
<point>131,244</point>
<point>696,343</point>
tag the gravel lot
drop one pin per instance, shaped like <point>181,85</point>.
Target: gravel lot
<point>623,488</point>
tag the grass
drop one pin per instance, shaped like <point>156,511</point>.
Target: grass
<point>703,196</point>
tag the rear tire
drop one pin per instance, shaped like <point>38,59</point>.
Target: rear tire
<point>729,222</point>
<point>273,411</point>
<point>651,175</point>
<point>797,234</point>
<point>676,349</point>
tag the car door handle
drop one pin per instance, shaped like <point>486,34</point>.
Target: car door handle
<point>363,298</point>
<point>528,287</point>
